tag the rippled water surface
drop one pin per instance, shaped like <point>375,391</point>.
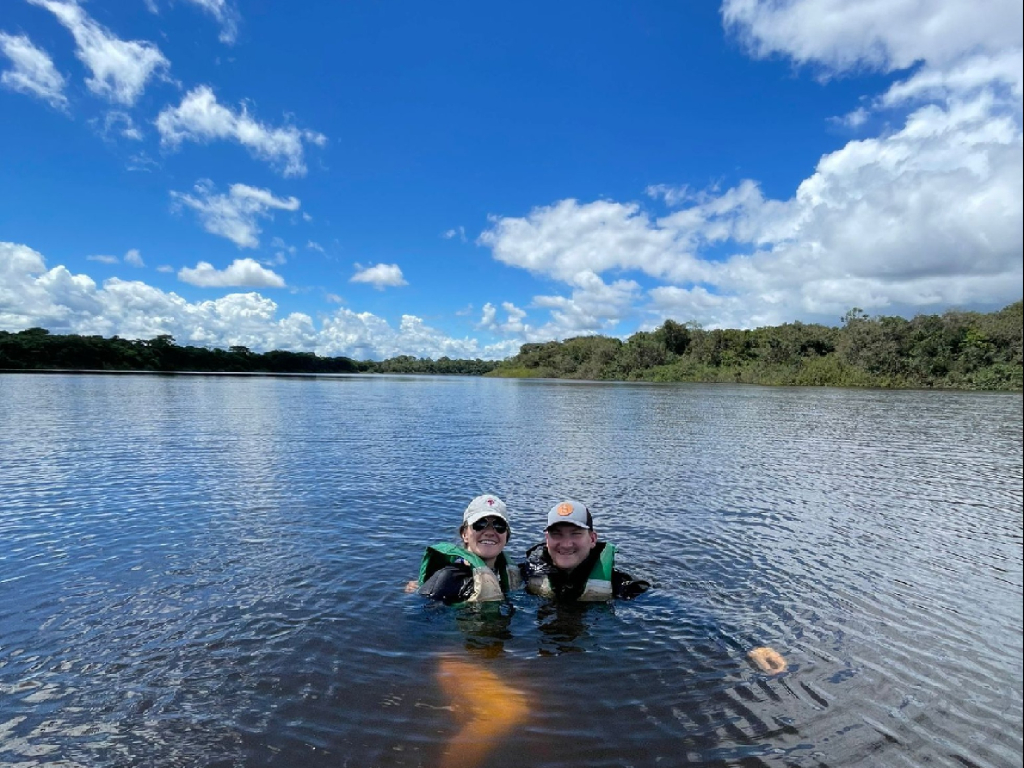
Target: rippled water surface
<point>208,571</point>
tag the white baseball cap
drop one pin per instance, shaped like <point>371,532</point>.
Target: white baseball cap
<point>487,505</point>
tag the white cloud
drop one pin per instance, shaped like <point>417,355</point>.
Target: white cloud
<point>886,35</point>
<point>672,195</point>
<point>33,73</point>
<point>458,232</point>
<point>566,238</point>
<point>362,335</point>
<point>314,246</point>
<point>380,276</point>
<point>512,325</point>
<point>995,73</point>
<point>120,68</point>
<point>240,273</point>
<point>141,162</point>
<point>122,124</point>
<point>853,119</point>
<point>593,307</point>
<point>31,295</point>
<point>226,15</point>
<point>132,257</point>
<point>235,214</point>
<point>278,242</point>
<point>200,118</point>
<point>923,217</point>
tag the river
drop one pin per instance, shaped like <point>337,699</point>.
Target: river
<point>208,571</point>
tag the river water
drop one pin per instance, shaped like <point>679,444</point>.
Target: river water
<point>208,571</point>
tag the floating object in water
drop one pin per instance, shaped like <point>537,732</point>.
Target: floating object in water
<point>768,660</point>
<point>487,708</point>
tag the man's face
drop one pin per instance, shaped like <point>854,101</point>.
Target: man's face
<point>568,544</point>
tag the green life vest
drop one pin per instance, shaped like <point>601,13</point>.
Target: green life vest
<point>599,582</point>
<point>487,584</point>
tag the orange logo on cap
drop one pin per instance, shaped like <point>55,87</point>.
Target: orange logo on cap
<point>564,509</point>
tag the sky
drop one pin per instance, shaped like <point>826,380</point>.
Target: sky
<point>373,179</point>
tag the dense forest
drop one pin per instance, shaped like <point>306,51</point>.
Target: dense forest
<point>38,349</point>
<point>956,350</point>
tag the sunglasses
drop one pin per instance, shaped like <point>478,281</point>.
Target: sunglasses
<point>499,525</point>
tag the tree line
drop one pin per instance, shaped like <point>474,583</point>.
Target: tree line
<point>38,349</point>
<point>955,350</point>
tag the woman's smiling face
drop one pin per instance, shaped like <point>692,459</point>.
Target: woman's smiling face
<point>486,543</point>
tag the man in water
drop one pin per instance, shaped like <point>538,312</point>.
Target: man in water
<point>572,564</point>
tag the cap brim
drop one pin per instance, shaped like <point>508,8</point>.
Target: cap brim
<point>482,514</point>
<point>584,526</point>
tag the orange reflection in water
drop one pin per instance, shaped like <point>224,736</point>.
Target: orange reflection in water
<point>485,706</point>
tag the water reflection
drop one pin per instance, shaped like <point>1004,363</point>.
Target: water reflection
<point>563,626</point>
<point>486,626</point>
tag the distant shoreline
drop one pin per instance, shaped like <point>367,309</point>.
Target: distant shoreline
<point>960,351</point>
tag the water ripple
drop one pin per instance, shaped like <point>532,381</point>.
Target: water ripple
<point>207,571</point>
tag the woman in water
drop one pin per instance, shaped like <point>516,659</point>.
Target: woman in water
<point>474,570</point>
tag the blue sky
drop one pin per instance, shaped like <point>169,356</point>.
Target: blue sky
<point>375,179</point>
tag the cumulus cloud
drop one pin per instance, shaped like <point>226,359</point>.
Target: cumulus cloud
<point>245,273</point>
<point>236,214</point>
<point>362,335</point>
<point>566,238</point>
<point>380,276</point>
<point>120,68</point>
<point>593,306</point>
<point>512,325</point>
<point>226,15</point>
<point>841,35</point>
<point>926,216</point>
<point>33,72</point>
<point>201,118</point>
<point>32,295</point>
<point>134,258</point>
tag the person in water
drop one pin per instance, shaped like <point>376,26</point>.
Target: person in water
<point>571,564</point>
<point>476,569</point>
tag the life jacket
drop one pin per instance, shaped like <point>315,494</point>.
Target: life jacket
<point>487,584</point>
<point>599,581</point>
